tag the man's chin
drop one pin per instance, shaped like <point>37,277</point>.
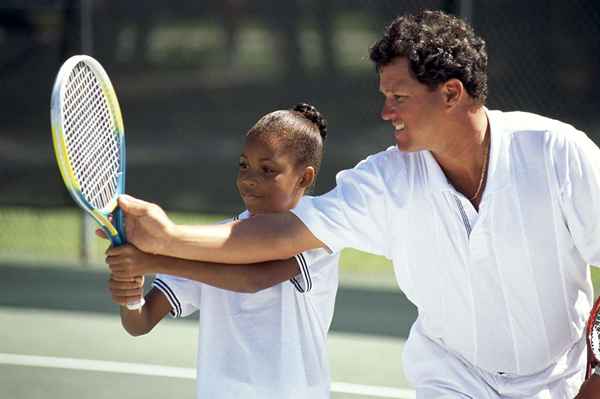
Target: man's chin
<point>405,147</point>
<point>403,142</point>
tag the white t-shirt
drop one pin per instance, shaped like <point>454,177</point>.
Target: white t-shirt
<point>270,344</point>
<point>506,288</point>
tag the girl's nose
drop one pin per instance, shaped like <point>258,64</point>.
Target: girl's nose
<point>248,180</point>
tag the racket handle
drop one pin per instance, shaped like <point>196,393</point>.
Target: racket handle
<point>119,223</point>
<point>136,305</point>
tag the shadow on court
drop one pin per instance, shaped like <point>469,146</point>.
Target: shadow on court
<point>358,310</point>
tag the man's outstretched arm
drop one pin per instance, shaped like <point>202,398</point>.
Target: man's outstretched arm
<point>256,239</point>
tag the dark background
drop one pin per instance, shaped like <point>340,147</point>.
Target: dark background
<point>193,76</point>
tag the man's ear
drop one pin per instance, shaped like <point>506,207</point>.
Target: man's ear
<point>453,90</point>
<point>307,178</point>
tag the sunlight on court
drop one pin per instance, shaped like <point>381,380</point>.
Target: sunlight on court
<point>50,354</point>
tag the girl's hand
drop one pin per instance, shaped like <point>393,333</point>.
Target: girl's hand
<point>126,291</point>
<point>128,262</point>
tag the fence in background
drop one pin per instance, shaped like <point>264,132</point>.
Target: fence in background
<point>192,77</point>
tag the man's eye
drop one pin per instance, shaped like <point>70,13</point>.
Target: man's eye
<point>243,165</point>
<point>268,170</point>
<point>399,99</point>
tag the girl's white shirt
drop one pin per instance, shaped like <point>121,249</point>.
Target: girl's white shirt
<point>269,344</point>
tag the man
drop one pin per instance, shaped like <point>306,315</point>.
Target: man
<point>490,219</point>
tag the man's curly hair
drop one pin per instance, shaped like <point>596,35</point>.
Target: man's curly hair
<point>438,47</point>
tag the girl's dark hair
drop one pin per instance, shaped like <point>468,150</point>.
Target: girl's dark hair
<point>303,130</point>
<point>311,113</point>
<point>438,47</point>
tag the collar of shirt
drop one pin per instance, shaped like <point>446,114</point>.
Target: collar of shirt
<point>498,168</point>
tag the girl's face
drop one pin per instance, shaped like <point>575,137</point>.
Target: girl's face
<point>268,179</point>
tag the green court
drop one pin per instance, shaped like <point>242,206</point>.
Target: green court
<point>59,354</point>
<point>61,335</point>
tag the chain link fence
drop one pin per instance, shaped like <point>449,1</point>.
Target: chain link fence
<point>192,77</point>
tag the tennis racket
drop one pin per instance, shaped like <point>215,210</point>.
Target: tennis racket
<point>593,339</point>
<point>89,143</point>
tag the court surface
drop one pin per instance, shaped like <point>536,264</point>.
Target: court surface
<point>53,347</point>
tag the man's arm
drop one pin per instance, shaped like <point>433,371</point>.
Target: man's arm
<point>126,262</point>
<point>590,389</point>
<point>256,239</point>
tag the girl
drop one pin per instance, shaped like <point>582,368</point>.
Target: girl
<point>263,327</point>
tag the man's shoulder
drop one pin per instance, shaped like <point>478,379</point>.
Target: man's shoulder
<point>532,132</point>
<point>520,122</point>
<point>530,137</point>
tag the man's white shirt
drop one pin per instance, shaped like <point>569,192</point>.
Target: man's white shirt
<point>269,344</point>
<point>506,288</point>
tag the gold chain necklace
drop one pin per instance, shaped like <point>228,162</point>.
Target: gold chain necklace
<point>483,169</point>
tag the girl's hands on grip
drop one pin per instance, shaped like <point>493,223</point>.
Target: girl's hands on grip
<point>128,262</point>
<point>126,291</point>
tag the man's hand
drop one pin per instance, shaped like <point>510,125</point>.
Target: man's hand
<point>147,226</point>
<point>126,291</point>
<point>127,262</point>
<point>590,388</point>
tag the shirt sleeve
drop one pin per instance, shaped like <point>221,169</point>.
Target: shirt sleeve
<point>580,194</point>
<point>310,262</point>
<point>182,294</point>
<point>353,214</point>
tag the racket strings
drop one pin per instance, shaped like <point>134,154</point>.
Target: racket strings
<point>92,143</point>
<point>595,337</point>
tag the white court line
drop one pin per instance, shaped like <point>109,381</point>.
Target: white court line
<point>176,372</point>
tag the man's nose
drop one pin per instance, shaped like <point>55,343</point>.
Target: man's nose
<point>387,112</point>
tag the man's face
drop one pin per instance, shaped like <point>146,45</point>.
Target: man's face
<point>414,110</point>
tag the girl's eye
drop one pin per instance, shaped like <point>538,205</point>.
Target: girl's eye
<point>399,99</point>
<point>267,170</point>
<point>243,165</point>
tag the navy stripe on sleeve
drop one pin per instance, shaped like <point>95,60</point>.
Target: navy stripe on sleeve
<point>297,285</point>
<point>305,272</point>
<point>161,285</point>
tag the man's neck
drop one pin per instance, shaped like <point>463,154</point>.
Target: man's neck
<point>463,159</point>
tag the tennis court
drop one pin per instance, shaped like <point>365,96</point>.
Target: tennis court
<point>54,347</point>
<point>61,334</point>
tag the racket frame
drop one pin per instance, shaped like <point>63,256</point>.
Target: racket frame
<point>115,232</point>
<point>592,361</point>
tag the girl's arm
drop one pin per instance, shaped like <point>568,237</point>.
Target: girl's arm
<point>139,321</point>
<point>127,261</point>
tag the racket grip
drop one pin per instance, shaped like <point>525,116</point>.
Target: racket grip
<point>119,223</point>
<point>136,305</point>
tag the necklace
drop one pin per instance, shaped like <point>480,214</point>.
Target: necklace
<point>483,169</point>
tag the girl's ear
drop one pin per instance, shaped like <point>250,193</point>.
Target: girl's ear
<point>307,178</point>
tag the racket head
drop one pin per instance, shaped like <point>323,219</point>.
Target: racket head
<point>593,339</point>
<point>88,136</point>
